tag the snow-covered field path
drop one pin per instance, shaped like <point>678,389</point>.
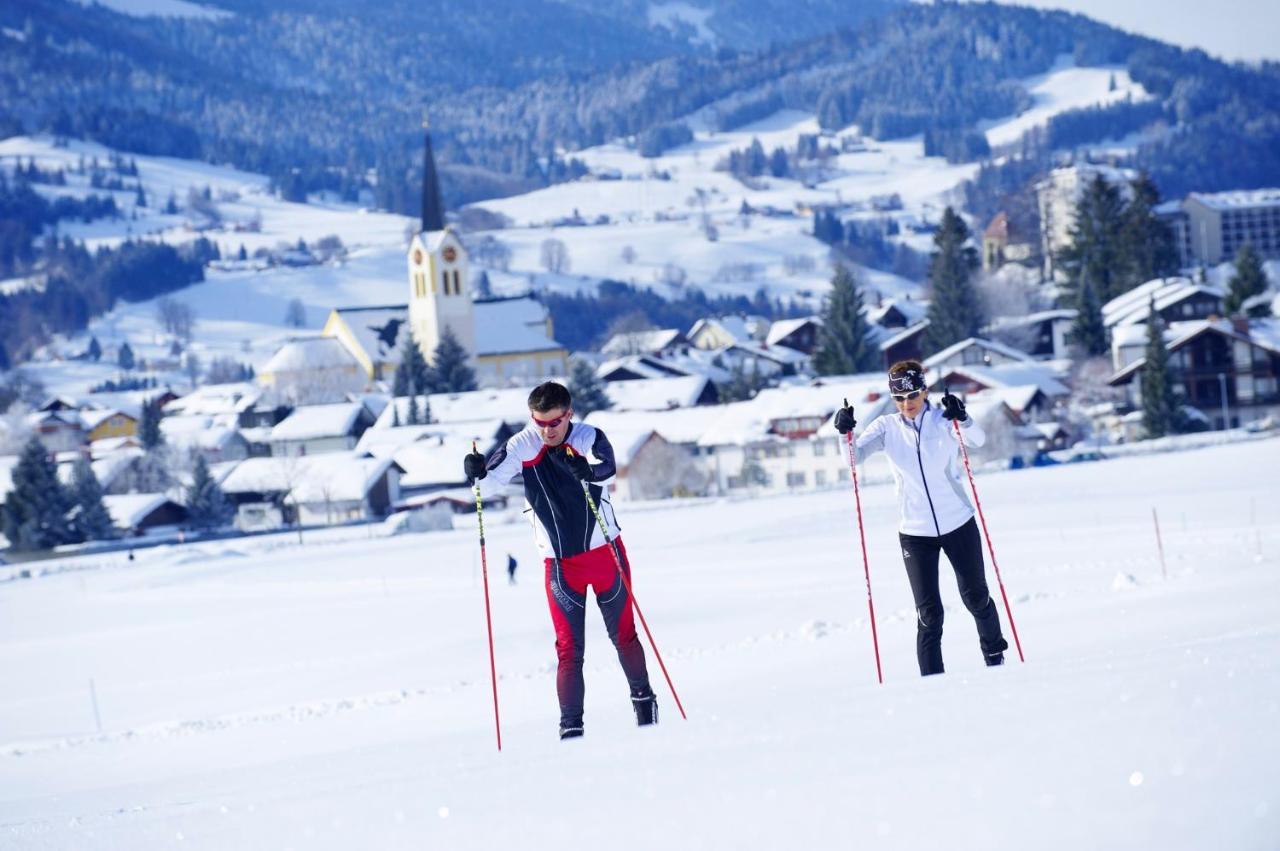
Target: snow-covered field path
<point>262,694</point>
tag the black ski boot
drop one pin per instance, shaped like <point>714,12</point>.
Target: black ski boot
<point>646,706</point>
<point>571,729</point>
<point>993,654</point>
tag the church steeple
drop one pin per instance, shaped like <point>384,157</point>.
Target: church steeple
<point>432,205</point>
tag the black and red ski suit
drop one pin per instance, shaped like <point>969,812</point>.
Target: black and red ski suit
<point>576,553</point>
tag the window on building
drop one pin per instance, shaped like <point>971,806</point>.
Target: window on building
<point>820,477</point>
<point>796,480</point>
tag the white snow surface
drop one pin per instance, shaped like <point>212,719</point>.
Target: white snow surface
<point>263,693</point>
<point>159,8</point>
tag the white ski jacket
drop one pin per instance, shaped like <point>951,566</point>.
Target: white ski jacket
<point>927,469</point>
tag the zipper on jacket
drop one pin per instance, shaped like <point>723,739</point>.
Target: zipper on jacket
<point>920,461</point>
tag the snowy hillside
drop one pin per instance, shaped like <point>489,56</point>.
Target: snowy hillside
<point>652,210</point>
<point>335,694</point>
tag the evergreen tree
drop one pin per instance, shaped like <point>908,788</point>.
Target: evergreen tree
<point>95,349</point>
<point>36,508</point>
<point>1159,405</point>
<point>453,373</point>
<point>125,358</point>
<point>844,345</point>
<point>207,505</point>
<point>1088,331</point>
<point>93,521</point>
<point>1247,282</point>
<point>413,409</point>
<point>413,375</point>
<point>1097,249</point>
<point>1147,242</point>
<point>586,389</point>
<point>954,312</point>
<point>149,426</point>
<point>395,414</point>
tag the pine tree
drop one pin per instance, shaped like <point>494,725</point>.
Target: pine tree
<point>844,346</point>
<point>1159,405</point>
<point>395,414</point>
<point>413,375</point>
<point>1247,282</point>
<point>149,426</point>
<point>95,349</point>
<point>452,372</point>
<point>1097,249</point>
<point>1146,242</point>
<point>93,521</point>
<point>413,409</point>
<point>36,508</point>
<point>586,389</point>
<point>1088,331</point>
<point>954,312</point>
<point>207,505</point>
<point>125,358</point>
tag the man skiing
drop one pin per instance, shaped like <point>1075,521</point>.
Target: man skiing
<point>551,454</point>
<point>934,512</point>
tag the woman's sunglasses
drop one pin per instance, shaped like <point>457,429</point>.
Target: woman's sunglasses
<point>903,397</point>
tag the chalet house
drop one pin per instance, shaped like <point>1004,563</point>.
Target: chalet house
<point>317,429</point>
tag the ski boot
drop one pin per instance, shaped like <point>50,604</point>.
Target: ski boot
<point>571,729</point>
<point>645,704</point>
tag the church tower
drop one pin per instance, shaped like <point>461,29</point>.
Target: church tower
<point>439,283</point>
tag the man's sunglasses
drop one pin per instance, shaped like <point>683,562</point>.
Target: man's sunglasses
<point>904,397</point>
<point>550,423</point>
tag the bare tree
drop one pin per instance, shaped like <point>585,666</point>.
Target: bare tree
<point>555,256</point>
<point>176,317</point>
<point>295,315</point>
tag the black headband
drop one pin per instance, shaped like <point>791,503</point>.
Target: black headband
<point>906,380</point>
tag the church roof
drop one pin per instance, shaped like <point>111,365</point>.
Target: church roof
<point>512,325</point>
<point>380,331</point>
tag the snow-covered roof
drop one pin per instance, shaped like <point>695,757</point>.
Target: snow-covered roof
<point>217,399</point>
<point>511,405</point>
<point>1134,307</point>
<point>905,334</point>
<point>1017,398</point>
<point>914,311</point>
<point>331,476</point>
<point>380,331</point>
<point>990,345</point>
<point>386,442</point>
<point>1011,375</point>
<point>130,509</point>
<point>642,342</point>
<point>656,394</point>
<point>679,425</point>
<point>783,328</point>
<point>91,418</point>
<point>783,355</point>
<point>199,431</point>
<point>309,422</point>
<point>1264,333</point>
<point>433,462</point>
<point>511,325</point>
<point>310,353</point>
<point>1238,200</point>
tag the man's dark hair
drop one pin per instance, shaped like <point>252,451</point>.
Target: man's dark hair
<point>548,396</point>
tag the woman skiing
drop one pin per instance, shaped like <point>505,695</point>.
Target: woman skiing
<point>934,512</point>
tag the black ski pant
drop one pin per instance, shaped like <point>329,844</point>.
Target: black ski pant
<point>963,547</point>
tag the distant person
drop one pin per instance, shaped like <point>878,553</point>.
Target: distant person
<point>577,554</point>
<point>511,569</point>
<point>934,512</point>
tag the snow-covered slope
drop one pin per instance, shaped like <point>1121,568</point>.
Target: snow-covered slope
<point>261,694</point>
<point>653,211</point>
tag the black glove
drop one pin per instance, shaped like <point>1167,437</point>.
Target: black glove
<point>579,466</point>
<point>844,419</point>
<point>953,408</point>
<point>473,466</point>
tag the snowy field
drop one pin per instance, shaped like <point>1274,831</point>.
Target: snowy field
<point>263,694</point>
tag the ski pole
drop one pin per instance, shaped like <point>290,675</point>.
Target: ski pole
<point>862,536</point>
<point>622,573</point>
<point>488,618</point>
<point>978,502</point>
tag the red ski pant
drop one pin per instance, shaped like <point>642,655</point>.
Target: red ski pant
<point>567,581</point>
